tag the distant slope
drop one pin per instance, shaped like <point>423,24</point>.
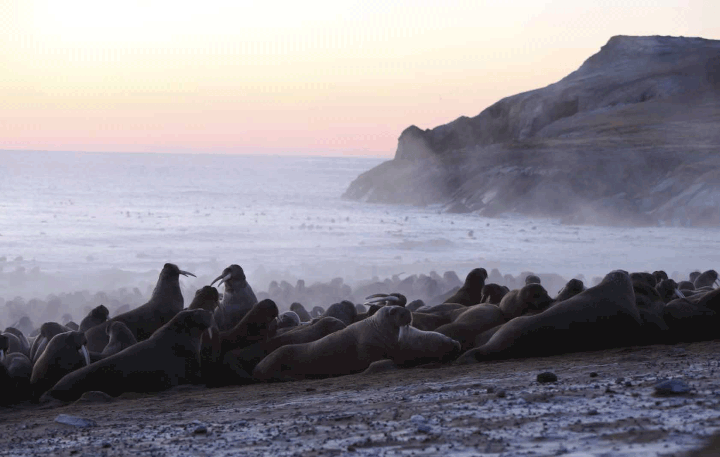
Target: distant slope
<point>631,137</point>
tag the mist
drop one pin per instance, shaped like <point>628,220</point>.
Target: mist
<point>81,229</point>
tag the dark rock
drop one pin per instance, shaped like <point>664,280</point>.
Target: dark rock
<point>75,421</point>
<point>672,387</point>
<point>547,377</point>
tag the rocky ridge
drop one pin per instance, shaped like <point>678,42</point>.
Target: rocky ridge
<point>631,137</point>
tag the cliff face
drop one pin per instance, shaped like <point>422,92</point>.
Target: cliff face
<point>632,136</point>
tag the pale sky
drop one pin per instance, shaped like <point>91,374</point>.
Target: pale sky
<point>316,77</point>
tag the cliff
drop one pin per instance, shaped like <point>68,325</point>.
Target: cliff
<point>631,137</point>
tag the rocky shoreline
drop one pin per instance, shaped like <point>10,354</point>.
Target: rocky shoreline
<point>630,138</point>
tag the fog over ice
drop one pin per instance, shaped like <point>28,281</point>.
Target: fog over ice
<point>100,222</point>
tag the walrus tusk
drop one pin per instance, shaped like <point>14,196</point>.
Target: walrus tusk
<point>382,299</point>
<point>375,296</point>
<point>2,355</point>
<point>83,350</point>
<point>679,294</point>
<point>222,279</point>
<point>210,332</point>
<point>717,282</point>
<point>187,273</point>
<point>404,330</point>
<point>561,291</point>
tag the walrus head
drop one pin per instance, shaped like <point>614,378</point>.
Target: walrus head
<point>708,278</point>
<point>192,321</point>
<point>476,278</point>
<point>395,317</point>
<point>70,341</point>
<point>572,288</point>
<point>170,270</point>
<point>532,279</point>
<point>394,299</point>
<point>100,312</point>
<point>288,319</point>
<point>207,298</point>
<point>233,277</point>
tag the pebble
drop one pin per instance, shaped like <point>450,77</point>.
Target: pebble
<point>672,387</point>
<point>547,377</point>
<point>75,421</point>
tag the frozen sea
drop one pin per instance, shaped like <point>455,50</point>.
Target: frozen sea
<point>100,221</point>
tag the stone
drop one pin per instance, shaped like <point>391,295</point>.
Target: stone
<point>672,387</point>
<point>547,376</point>
<point>75,421</point>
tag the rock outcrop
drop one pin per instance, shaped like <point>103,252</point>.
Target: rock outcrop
<point>631,137</point>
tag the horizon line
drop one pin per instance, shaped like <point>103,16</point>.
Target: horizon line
<point>282,153</point>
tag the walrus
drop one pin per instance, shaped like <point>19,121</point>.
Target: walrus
<point>66,352</point>
<point>708,278</point>
<point>317,311</point>
<point>47,331</point>
<point>694,275</point>
<point>386,334</point>
<point>170,357</point>
<point>15,344</point>
<point>248,357</point>
<point>166,301</point>
<point>493,293</point>
<point>693,318</point>
<point>415,305</point>
<point>475,320</point>
<point>417,347</point>
<point>644,276</point>
<point>237,299</point>
<point>532,279</point>
<point>347,351</point>
<point>120,337</point>
<point>650,306</point>
<point>660,275</point>
<point>395,299</point>
<point>345,311</point>
<point>429,321</point>
<point>19,369</point>
<point>288,320</point>
<point>686,285</point>
<point>600,317</point>
<point>208,298</point>
<point>668,290</point>
<point>25,325</point>
<point>444,309</point>
<point>572,288</point>
<point>301,312</point>
<point>532,298</point>
<point>471,291</point>
<point>72,326</point>
<point>22,341</point>
<point>258,324</point>
<point>97,316</point>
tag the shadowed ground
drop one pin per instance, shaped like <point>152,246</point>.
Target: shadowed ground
<point>488,408</point>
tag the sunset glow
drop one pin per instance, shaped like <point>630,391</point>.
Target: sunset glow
<point>312,77</point>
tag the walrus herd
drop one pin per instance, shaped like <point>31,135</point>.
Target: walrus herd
<point>235,339</point>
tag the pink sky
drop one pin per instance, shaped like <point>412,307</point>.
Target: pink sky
<point>313,77</point>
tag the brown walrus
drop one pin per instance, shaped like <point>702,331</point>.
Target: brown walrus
<point>96,316</point>
<point>65,353</point>
<point>475,320</point>
<point>470,293</point>
<point>166,301</point>
<point>532,298</point>
<point>120,338</point>
<point>171,356</point>
<point>258,324</point>
<point>600,317</point>
<point>354,348</point>
<point>237,299</point>
<point>247,358</point>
